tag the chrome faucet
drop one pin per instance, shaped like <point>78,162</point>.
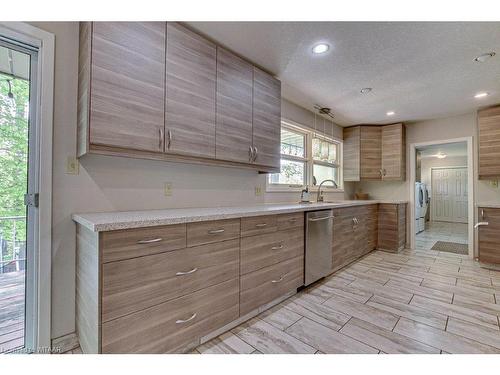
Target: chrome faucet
<point>320,198</point>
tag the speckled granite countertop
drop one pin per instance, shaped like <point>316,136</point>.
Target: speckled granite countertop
<point>106,221</point>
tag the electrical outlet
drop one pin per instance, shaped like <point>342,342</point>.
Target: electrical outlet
<point>494,184</point>
<point>258,191</point>
<point>72,165</point>
<point>168,189</point>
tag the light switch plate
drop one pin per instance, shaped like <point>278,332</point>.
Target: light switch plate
<point>258,191</point>
<point>168,189</point>
<point>72,165</point>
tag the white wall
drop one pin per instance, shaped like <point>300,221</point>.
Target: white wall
<point>429,163</point>
<point>110,183</point>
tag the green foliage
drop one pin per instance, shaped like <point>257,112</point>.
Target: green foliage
<point>13,155</point>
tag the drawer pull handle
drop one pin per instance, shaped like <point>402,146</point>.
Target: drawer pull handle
<point>279,247</point>
<point>216,231</point>
<point>186,273</point>
<point>292,220</point>
<point>261,225</point>
<point>143,242</point>
<point>180,321</point>
<point>280,279</point>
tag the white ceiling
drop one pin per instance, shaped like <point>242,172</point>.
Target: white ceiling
<point>450,150</point>
<point>419,70</point>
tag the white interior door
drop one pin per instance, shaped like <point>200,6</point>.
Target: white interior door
<point>449,194</point>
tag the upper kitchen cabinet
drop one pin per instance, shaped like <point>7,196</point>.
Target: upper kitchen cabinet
<point>393,152</point>
<point>489,143</point>
<point>122,85</point>
<point>266,119</point>
<point>190,94</point>
<point>158,90</point>
<point>373,152</point>
<point>234,108</point>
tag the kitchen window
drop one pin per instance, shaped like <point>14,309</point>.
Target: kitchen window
<point>307,158</point>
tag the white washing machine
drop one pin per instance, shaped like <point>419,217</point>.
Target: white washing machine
<point>425,206</point>
<point>419,201</point>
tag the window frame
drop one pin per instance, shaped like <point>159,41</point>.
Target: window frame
<point>309,162</point>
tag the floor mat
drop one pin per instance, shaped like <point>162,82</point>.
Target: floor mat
<point>451,247</point>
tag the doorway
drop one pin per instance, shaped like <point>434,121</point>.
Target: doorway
<point>441,204</point>
<point>18,194</point>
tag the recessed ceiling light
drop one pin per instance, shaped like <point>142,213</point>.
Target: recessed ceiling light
<point>481,95</point>
<point>484,57</point>
<point>366,90</point>
<point>390,113</point>
<point>320,48</point>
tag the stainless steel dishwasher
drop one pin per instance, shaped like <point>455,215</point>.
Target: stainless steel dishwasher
<point>319,238</point>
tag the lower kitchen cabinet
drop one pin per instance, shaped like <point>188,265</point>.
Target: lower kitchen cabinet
<point>391,227</point>
<point>354,233</point>
<point>161,289</point>
<point>489,235</point>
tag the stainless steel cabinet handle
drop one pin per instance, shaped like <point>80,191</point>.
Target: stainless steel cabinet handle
<point>169,139</point>
<point>322,218</point>
<point>384,172</point>
<point>160,141</point>
<point>180,321</point>
<point>250,153</point>
<point>187,272</point>
<point>280,279</point>
<point>143,242</point>
<point>481,223</point>
<point>292,220</point>
<point>262,225</point>
<point>482,213</point>
<point>279,247</point>
<point>216,231</point>
<point>255,153</point>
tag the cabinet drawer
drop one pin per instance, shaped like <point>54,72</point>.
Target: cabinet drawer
<point>212,231</point>
<point>135,284</point>
<point>293,220</point>
<point>131,243</point>
<point>261,251</point>
<point>267,284</point>
<point>164,328</point>
<point>258,225</point>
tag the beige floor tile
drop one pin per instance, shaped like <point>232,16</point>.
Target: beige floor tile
<point>416,313</point>
<point>384,340</point>
<point>364,312</point>
<point>446,341</point>
<point>456,311</point>
<point>326,340</point>
<point>383,291</point>
<point>421,290</point>
<point>280,317</point>
<point>485,307</point>
<point>270,340</point>
<point>349,292</point>
<point>458,290</point>
<point>226,343</point>
<point>474,332</point>
<point>319,313</point>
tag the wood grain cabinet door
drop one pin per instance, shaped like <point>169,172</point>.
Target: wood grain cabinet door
<point>489,236</point>
<point>128,85</point>
<point>393,152</point>
<point>344,240</point>
<point>352,150</point>
<point>489,142</point>
<point>190,94</point>
<point>371,153</point>
<point>234,108</point>
<point>266,118</point>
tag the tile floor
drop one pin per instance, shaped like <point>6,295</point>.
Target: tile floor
<point>440,231</point>
<point>411,302</point>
